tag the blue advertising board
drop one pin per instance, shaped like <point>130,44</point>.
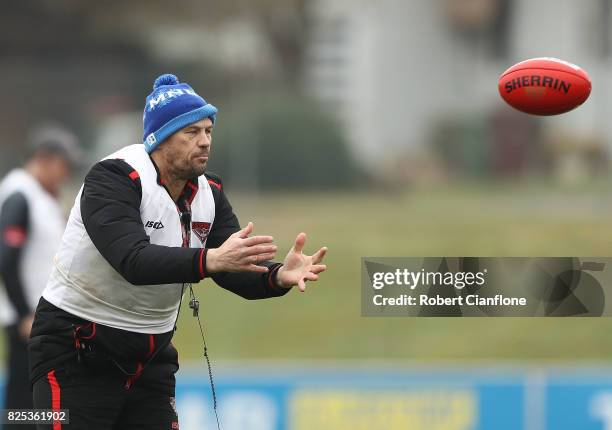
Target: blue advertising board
<point>339,399</point>
<point>342,398</point>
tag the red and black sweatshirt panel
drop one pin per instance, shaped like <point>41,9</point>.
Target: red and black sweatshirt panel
<point>14,225</point>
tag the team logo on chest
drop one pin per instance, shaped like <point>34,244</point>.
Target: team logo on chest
<point>201,230</point>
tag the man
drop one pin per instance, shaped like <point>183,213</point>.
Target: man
<point>31,226</point>
<point>147,222</point>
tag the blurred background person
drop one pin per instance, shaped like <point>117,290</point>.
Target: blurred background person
<point>31,227</point>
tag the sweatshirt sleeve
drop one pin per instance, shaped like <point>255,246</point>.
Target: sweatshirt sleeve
<point>14,227</point>
<point>110,208</point>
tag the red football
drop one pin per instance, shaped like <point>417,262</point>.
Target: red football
<point>544,86</point>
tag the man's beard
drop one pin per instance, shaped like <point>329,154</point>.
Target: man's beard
<point>190,172</point>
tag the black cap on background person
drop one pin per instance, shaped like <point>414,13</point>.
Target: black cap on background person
<point>53,155</point>
<point>53,139</point>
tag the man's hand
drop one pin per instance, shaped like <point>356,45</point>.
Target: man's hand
<point>299,268</point>
<point>241,253</point>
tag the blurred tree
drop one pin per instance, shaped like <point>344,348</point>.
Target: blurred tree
<point>46,27</point>
<point>77,62</point>
<point>280,142</point>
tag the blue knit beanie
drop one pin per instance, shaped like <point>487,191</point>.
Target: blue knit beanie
<point>170,107</point>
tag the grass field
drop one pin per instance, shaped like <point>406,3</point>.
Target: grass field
<point>325,323</point>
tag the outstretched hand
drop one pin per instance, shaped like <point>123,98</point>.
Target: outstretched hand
<point>299,268</point>
<point>241,253</point>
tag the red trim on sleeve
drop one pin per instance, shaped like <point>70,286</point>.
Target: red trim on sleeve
<point>55,397</point>
<point>134,175</point>
<point>271,277</point>
<point>202,268</point>
<point>14,236</point>
<point>214,184</point>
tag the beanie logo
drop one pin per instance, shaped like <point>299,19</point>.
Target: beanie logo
<point>151,140</point>
<point>166,97</point>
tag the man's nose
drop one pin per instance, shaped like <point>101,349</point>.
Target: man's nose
<point>204,140</point>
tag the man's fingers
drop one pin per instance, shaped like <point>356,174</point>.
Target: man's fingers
<point>318,268</point>
<point>311,277</point>
<point>302,285</point>
<point>300,240</point>
<point>260,249</point>
<point>256,259</point>
<point>257,240</point>
<point>244,233</point>
<point>318,256</point>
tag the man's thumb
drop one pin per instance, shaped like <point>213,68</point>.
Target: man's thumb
<point>244,233</point>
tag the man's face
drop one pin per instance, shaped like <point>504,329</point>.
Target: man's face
<point>186,151</point>
<point>54,173</point>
